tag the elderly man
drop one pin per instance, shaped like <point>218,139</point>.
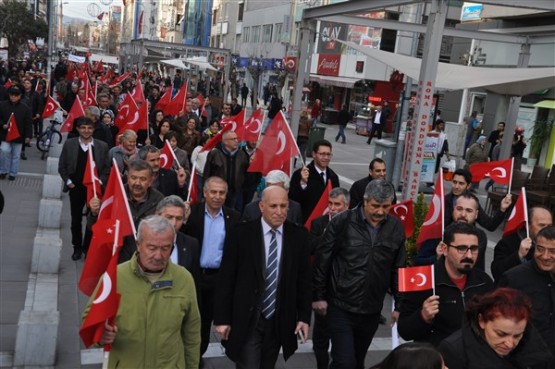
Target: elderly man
<point>431,318</point>
<point>356,263</point>
<point>535,278</point>
<point>230,163</point>
<point>515,249</point>
<point>275,178</point>
<point>263,293</point>
<point>157,324</point>
<point>338,201</point>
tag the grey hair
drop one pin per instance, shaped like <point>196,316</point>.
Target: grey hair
<point>338,191</point>
<point>145,150</point>
<point>127,135</point>
<point>214,179</point>
<point>379,190</point>
<point>278,176</point>
<point>156,224</point>
<point>139,165</point>
<point>171,201</point>
<point>94,110</point>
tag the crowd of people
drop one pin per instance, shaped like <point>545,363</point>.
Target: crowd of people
<point>240,258</point>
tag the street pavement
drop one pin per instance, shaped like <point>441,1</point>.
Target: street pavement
<point>18,225</point>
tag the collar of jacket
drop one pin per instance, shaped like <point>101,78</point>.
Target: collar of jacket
<point>166,279</point>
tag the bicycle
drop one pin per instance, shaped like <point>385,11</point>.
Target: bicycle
<point>46,138</point>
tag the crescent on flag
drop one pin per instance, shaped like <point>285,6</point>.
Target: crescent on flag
<point>424,279</point>
<point>502,171</point>
<point>396,210</point>
<point>135,119</point>
<point>163,160</point>
<point>258,125</point>
<point>282,142</point>
<point>106,289</point>
<point>436,203</point>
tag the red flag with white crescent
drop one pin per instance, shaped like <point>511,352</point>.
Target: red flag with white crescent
<point>90,99</point>
<point>405,213</point>
<point>420,278</point>
<point>178,103</point>
<point>128,115</point>
<point>216,139</point>
<point>432,228</point>
<point>50,107</point>
<point>137,93</point>
<point>519,215</point>
<point>276,148</point>
<point>165,99</point>
<point>321,207</point>
<point>253,126</point>
<point>90,179</point>
<point>75,112</point>
<point>237,122</point>
<point>500,171</point>
<point>13,129</point>
<point>166,156</point>
<point>118,80</point>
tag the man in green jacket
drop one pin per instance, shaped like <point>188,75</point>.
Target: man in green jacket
<point>158,323</point>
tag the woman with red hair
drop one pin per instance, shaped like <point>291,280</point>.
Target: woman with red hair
<point>497,335</point>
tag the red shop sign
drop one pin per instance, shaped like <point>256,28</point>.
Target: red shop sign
<point>328,64</point>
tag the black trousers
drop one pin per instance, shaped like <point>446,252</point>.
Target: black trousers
<point>376,129</point>
<point>261,348</point>
<point>77,200</point>
<point>207,289</point>
<point>321,341</point>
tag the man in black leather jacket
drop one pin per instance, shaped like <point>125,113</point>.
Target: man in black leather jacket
<point>356,263</point>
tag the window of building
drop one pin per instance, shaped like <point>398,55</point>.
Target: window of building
<point>278,30</point>
<point>241,10</point>
<point>267,33</point>
<point>255,34</point>
<point>246,34</point>
<point>215,16</point>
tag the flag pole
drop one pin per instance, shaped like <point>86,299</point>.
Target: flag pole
<point>127,209</point>
<point>525,202</point>
<point>442,194</point>
<point>173,154</point>
<point>294,141</point>
<point>108,347</point>
<point>433,280</point>
<point>511,177</point>
<point>92,170</point>
<point>191,181</point>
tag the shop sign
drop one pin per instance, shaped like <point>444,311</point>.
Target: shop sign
<point>328,64</point>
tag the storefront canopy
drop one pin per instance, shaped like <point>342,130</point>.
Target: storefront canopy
<point>202,63</point>
<point>546,104</point>
<point>178,63</point>
<point>334,81</point>
<point>504,81</point>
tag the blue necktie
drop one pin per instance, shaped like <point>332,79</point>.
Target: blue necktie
<point>269,302</point>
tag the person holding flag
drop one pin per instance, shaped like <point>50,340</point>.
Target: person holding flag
<point>16,130</point>
<point>149,285</point>
<point>434,314</point>
<point>71,168</point>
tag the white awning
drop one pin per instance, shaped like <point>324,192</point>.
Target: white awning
<point>106,59</point>
<point>334,81</point>
<point>201,62</point>
<point>505,81</point>
<point>546,104</point>
<point>178,63</point>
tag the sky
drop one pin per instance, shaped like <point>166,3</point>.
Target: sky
<point>78,8</point>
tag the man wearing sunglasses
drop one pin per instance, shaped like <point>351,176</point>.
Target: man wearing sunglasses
<point>425,316</point>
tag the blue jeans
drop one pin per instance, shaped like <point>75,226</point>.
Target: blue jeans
<point>341,134</point>
<point>351,335</point>
<point>9,161</point>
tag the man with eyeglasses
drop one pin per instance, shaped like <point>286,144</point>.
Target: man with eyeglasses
<point>308,183</point>
<point>466,211</point>
<point>429,317</point>
<point>536,278</point>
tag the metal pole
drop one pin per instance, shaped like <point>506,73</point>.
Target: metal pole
<point>424,97</point>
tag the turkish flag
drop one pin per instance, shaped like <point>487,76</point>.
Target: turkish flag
<point>237,122</point>
<point>75,112</point>
<point>420,278</point>
<point>137,93</point>
<point>90,99</point>
<point>216,139</point>
<point>128,115</point>
<point>433,222</point>
<point>118,80</point>
<point>165,99</point>
<point>143,115</point>
<point>405,213</point>
<point>50,107</point>
<point>90,179</point>
<point>166,156</point>
<point>321,207</point>
<point>108,75</point>
<point>99,66</point>
<point>105,304</point>
<point>276,149</point>
<point>192,195</point>
<point>71,72</point>
<point>140,75</point>
<point>253,126</point>
<point>178,103</point>
<point>114,206</point>
<point>13,129</point>
<point>519,215</point>
<point>500,171</point>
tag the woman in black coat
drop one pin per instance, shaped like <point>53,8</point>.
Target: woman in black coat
<point>497,335</point>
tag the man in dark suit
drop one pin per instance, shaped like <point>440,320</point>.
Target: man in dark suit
<point>263,294</point>
<point>275,178</point>
<point>167,181</point>
<point>186,251</point>
<point>338,202</point>
<point>308,183</point>
<point>379,121</point>
<point>210,222</point>
<point>71,168</point>
<point>376,170</point>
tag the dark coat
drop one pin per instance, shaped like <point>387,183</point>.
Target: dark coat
<point>484,220</point>
<point>344,117</point>
<point>220,164</point>
<point>195,224</point>
<point>539,286</point>
<point>241,283</point>
<point>309,197</point>
<point>505,254</point>
<point>22,114</point>
<point>68,159</point>
<point>188,256</point>
<point>357,192</point>
<point>294,214</point>
<point>350,270</point>
<point>168,185</point>
<point>317,228</point>
<point>412,326</point>
<point>464,349</point>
